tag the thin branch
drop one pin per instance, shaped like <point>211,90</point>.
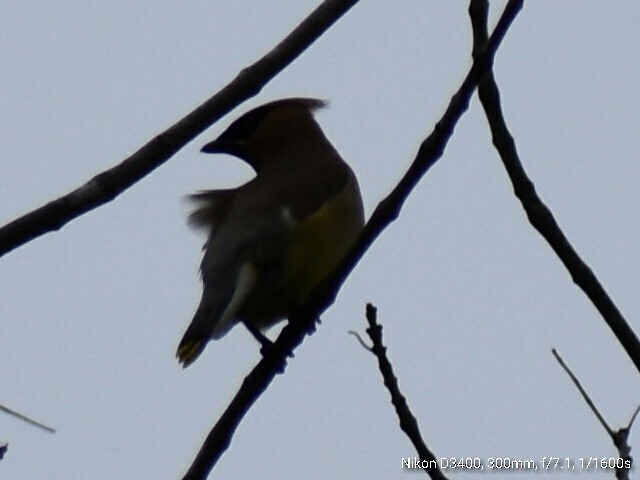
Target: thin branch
<point>302,323</point>
<point>408,422</point>
<point>24,418</point>
<point>363,344</point>
<point>107,185</point>
<point>538,213</point>
<point>633,418</point>
<point>582,391</point>
<point>618,437</point>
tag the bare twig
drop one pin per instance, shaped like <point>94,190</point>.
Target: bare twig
<point>582,391</point>
<point>538,213</point>
<point>107,185</point>
<point>303,322</point>
<point>408,422</point>
<point>24,418</point>
<point>619,437</point>
<point>633,418</point>
<point>360,340</point>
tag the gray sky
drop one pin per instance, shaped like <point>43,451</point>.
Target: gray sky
<point>471,298</point>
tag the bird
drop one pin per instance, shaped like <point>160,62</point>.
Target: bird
<point>273,239</point>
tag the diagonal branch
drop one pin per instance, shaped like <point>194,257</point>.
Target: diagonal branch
<point>24,418</point>
<point>107,185</point>
<point>538,213</point>
<point>303,322</point>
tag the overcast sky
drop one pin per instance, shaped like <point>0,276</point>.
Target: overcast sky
<point>470,296</point>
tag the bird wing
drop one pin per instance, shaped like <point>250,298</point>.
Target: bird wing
<point>210,207</point>
<point>307,191</point>
<point>246,242</point>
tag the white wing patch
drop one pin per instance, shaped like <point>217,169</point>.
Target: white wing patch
<point>247,277</point>
<point>287,217</point>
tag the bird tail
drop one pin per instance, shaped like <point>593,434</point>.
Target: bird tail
<point>189,350</point>
<point>195,338</point>
<point>216,314</point>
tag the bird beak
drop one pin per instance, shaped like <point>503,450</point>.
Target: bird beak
<point>216,146</point>
<point>224,145</point>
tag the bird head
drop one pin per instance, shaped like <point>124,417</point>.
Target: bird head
<point>263,134</point>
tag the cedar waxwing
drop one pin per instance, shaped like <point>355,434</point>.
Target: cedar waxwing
<point>273,239</point>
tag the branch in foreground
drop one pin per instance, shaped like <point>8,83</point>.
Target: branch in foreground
<point>538,213</point>
<point>619,437</point>
<point>408,422</point>
<point>303,322</point>
<point>107,185</point>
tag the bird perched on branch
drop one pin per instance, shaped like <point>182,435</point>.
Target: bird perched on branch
<point>273,239</point>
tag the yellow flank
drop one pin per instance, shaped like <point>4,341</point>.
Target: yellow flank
<point>319,242</point>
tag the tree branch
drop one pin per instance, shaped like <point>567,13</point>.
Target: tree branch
<point>408,422</point>
<point>24,418</point>
<point>618,437</point>
<point>538,213</point>
<point>303,322</point>
<point>107,185</point>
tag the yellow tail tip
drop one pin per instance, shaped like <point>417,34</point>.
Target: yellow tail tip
<point>188,352</point>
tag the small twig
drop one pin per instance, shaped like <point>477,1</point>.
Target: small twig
<point>582,391</point>
<point>620,437</point>
<point>633,418</point>
<point>26,419</point>
<point>408,422</point>
<point>362,342</point>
